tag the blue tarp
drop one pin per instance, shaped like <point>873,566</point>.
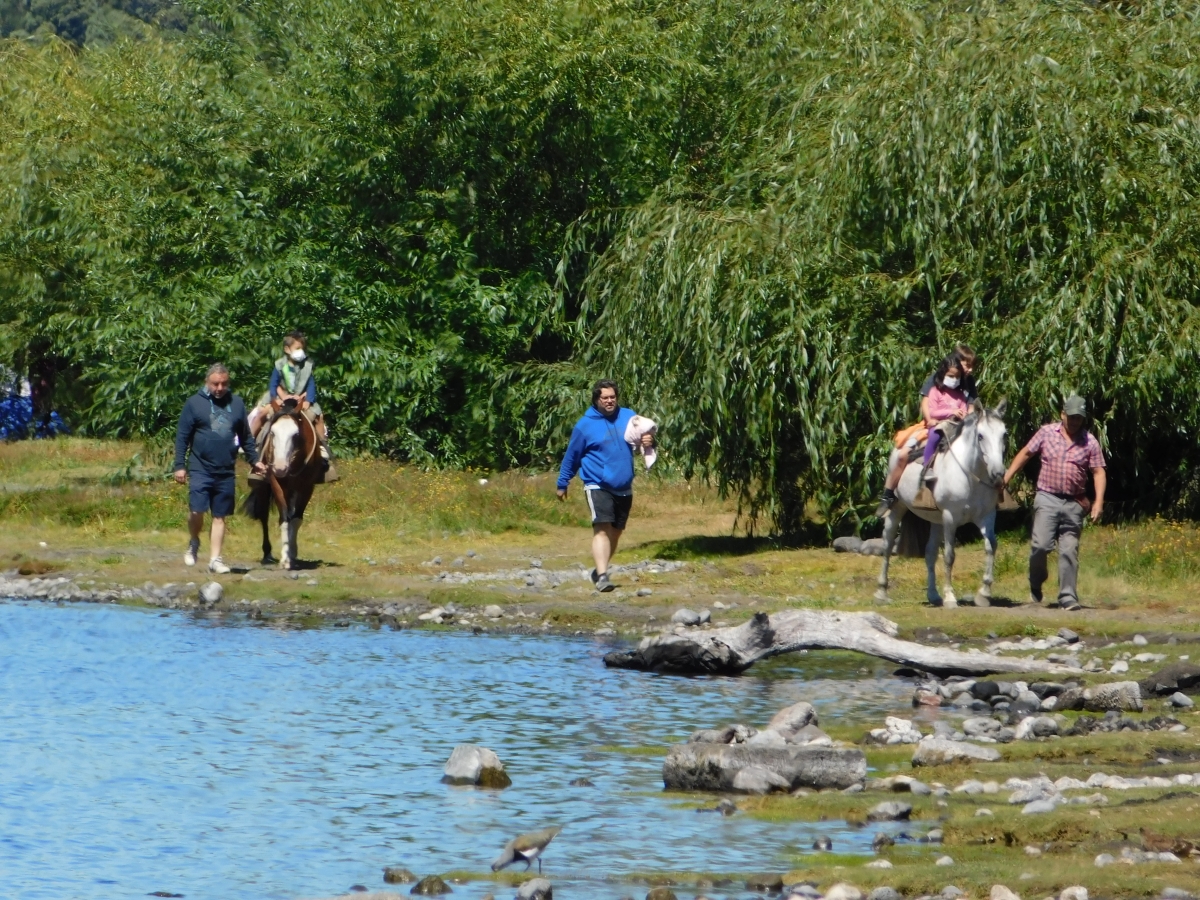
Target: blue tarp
<point>17,422</point>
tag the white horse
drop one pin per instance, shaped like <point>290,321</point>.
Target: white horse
<point>969,476</point>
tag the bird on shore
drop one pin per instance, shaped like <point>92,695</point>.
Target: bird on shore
<point>526,848</point>
<point>823,844</point>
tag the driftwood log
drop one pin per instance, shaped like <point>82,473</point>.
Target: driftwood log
<point>727,651</point>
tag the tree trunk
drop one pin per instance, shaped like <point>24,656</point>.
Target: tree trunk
<point>727,651</point>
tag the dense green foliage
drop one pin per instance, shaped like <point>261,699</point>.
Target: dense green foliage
<point>769,219</point>
<point>92,22</point>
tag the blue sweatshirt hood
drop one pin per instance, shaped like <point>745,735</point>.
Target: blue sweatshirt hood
<point>598,452</point>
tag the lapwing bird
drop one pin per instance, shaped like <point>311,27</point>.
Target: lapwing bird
<point>526,848</point>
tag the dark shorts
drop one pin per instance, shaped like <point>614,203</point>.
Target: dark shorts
<point>609,507</point>
<point>211,493</point>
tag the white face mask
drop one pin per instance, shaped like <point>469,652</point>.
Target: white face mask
<point>950,382</point>
<point>298,356</point>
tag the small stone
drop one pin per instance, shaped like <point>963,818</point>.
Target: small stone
<point>398,875</point>
<point>471,554</point>
<point>772,883</point>
<point>1075,892</point>
<point>1068,635</point>
<point>982,811</point>
<point>686,617</point>
<point>535,889</point>
<point>433,886</point>
<point>1032,851</point>
<point>879,864</point>
<point>661,893</point>
<point>1000,892</point>
<point>889,811</point>
<point>1181,700</point>
<point>951,892</point>
<point>1139,641</point>
<point>843,891</point>
<point>847,545</point>
<point>644,592</point>
<point>581,782</point>
<point>934,836</point>
<point>211,593</point>
<point>885,893</point>
<point>944,861</point>
<point>1171,893</point>
<point>1120,667</point>
<point>1104,859</point>
<point>492,611</point>
<point>470,764</point>
<point>535,564</point>
<point>458,562</point>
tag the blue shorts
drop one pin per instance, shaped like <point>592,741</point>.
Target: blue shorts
<point>213,493</point>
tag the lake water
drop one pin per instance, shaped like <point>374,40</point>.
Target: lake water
<point>145,752</point>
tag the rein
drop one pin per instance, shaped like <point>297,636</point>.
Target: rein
<point>970,475</point>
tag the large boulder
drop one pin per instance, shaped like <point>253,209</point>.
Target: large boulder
<point>935,751</point>
<point>1177,676</point>
<point>1123,696</point>
<point>788,721</point>
<point>759,780</point>
<point>469,764</point>
<point>715,767</point>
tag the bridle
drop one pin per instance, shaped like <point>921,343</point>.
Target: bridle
<point>986,482</point>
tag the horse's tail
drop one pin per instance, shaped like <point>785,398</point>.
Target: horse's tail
<point>255,504</point>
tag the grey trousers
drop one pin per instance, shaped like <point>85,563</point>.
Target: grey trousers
<point>1055,521</point>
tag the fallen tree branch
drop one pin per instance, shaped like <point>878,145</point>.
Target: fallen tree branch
<point>727,651</point>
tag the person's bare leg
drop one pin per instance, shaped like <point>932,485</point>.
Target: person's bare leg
<point>604,545</point>
<point>195,523</point>
<point>216,538</point>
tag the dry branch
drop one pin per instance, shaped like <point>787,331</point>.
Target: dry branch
<point>728,651</point>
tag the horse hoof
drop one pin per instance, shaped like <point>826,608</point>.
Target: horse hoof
<point>881,596</point>
<point>950,602</point>
<point>269,560</point>
<point>982,601</point>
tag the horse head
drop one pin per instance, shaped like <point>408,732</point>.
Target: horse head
<point>990,433</point>
<point>284,442</point>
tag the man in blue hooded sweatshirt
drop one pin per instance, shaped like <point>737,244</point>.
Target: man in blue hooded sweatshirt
<point>604,461</point>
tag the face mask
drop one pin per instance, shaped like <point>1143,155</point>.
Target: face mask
<point>950,382</point>
<point>298,356</point>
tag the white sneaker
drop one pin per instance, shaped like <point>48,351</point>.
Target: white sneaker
<point>189,558</point>
<point>217,566</point>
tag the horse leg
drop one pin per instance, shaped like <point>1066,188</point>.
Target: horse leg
<point>931,554</point>
<point>293,530</point>
<point>988,527</point>
<point>264,519</point>
<point>891,524</point>
<point>948,534</point>
<point>285,539</point>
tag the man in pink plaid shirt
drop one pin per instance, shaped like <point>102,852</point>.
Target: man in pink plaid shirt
<point>1068,451</point>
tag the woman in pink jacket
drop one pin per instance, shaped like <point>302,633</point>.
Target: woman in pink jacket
<point>946,401</point>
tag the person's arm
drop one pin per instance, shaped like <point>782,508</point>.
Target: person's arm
<point>924,407</point>
<point>1100,477</point>
<point>311,393</point>
<point>273,389</point>
<point>183,440</point>
<point>570,463</point>
<point>1018,463</point>
<point>246,439</point>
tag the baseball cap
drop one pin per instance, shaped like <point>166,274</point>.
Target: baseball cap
<point>1075,405</point>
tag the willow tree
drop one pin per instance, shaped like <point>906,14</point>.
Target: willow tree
<point>1019,175</point>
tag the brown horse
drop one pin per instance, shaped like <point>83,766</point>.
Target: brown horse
<point>293,468</point>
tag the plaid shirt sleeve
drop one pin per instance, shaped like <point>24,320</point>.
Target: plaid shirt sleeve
<point>1095,456</point>
<point>1035,443</point>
